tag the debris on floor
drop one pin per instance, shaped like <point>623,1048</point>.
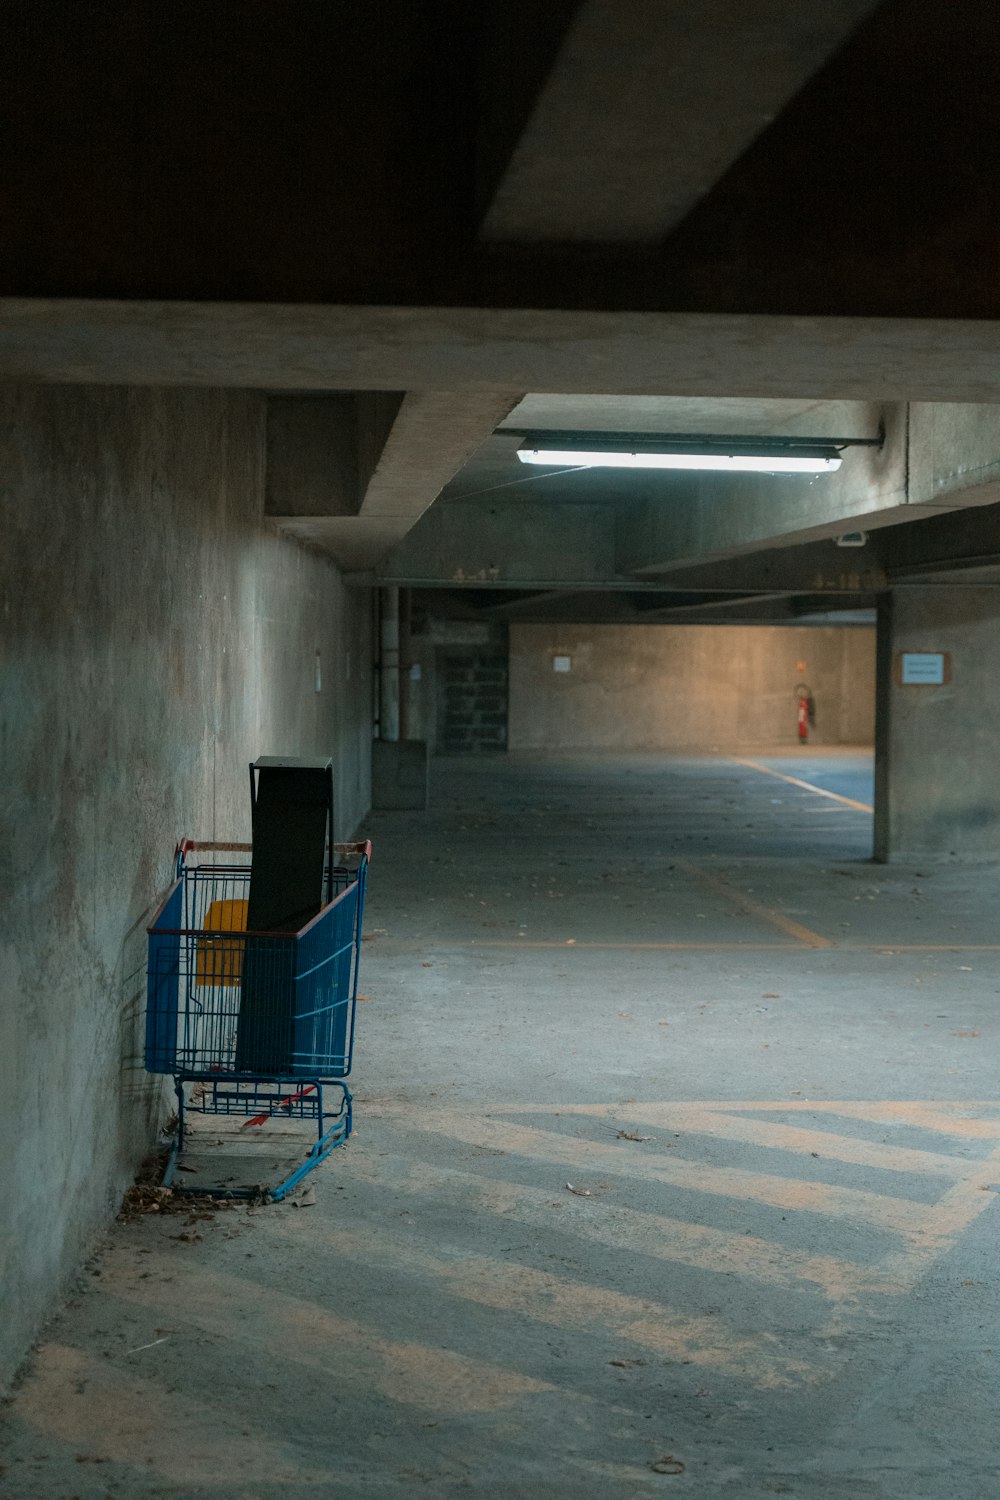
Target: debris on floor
<point>667,1465</point>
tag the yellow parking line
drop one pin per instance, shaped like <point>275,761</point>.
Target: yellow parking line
<point>921,947</point>
<point>888,948</point>
<point>625,947</point>
<point>729,1123</point>
<point>702,1246</point>
<point>514,1286</point>
<point>751,908</point>
<point>856,1205</point>
<point>796,781</point>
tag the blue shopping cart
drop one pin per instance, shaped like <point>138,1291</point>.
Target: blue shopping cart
<point>255,1024</point>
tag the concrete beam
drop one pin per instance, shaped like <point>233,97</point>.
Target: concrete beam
<point>322,449</point>
<point>954,455</point>
<point>934,460</point>
<point>955,542</point>
<point>356,542</point>
<point>507,543</point>
<point>648,103</point>
<point>306,347</point>
<point>433,435</point>
<point>390,456</point>
<point>819,567</point>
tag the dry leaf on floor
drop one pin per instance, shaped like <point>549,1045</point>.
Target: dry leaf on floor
<point>580,1192</point>
<point>630,1135</point>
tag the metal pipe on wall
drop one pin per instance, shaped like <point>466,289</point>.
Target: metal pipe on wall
<point>405,666</point>
<point>389,674</point>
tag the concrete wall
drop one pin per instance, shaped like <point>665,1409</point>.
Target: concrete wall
<point>936,746</point>
<point>694,687</point>
<point>158,635</point>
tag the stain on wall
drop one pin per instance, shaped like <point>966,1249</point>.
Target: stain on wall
<point>690,687</point>
<point>158,635</point>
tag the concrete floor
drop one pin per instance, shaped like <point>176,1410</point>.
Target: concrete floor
<point>765,1065</point>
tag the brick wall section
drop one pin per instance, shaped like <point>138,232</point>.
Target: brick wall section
<point>474,705</point>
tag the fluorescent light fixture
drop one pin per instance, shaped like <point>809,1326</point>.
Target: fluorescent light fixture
<point>634,450</point>
<point>735,463</point>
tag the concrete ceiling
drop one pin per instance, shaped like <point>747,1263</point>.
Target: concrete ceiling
<point>495,466</point>
<point>740,216</point>
<point>648,103</point>
<point>714,414</point>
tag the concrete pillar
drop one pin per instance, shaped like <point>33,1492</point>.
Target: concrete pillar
<point>389,659</point>
<point>937,787</point>
<point>405,664</point>
<point>400,765</point>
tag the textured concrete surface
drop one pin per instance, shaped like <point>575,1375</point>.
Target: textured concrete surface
<point>686,687</point>
<point>137,174</point>
<point>312,347</point>
<point>766,1067</point>
<point>158,637</point>
<point>701,86</point>
<point>428,440</point>
<point>488,527</point>
<point>937,744</point>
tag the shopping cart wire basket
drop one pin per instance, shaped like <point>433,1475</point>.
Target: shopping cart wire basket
<point>259,1024</point>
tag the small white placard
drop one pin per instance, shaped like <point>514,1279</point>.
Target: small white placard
<point>922,668</point>
<point>415,672</point>
<point>561,663</point>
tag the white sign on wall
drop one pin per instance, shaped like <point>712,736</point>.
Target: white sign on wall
<point>923,668</point>
<point>560,664</point>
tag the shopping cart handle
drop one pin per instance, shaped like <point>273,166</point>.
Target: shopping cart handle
<point>364,846</point>
<point>190,846</point>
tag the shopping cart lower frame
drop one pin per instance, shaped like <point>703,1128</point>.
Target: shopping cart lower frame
<point>254,1025</point>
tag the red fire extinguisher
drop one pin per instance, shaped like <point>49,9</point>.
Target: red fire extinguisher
<point>806,710</point>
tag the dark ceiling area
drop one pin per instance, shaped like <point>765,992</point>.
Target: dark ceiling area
<point>331,152</point>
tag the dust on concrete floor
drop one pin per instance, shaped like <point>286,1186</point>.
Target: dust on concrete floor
<point>765,1065</point>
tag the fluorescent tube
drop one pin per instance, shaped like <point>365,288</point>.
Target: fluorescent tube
<point>741,463</point>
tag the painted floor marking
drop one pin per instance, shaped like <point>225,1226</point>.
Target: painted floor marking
<point>896,1215</point>
<point>888,948</point>
<point>565,943</point>
<point>820,791</point>
<point>721,1124</point>
<point>927,1229</point>
<point>314,1335</point>
<point>751,908</point>
<point>701,1246</point>
<point>945,1117</point>
<point>512,1286</point>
